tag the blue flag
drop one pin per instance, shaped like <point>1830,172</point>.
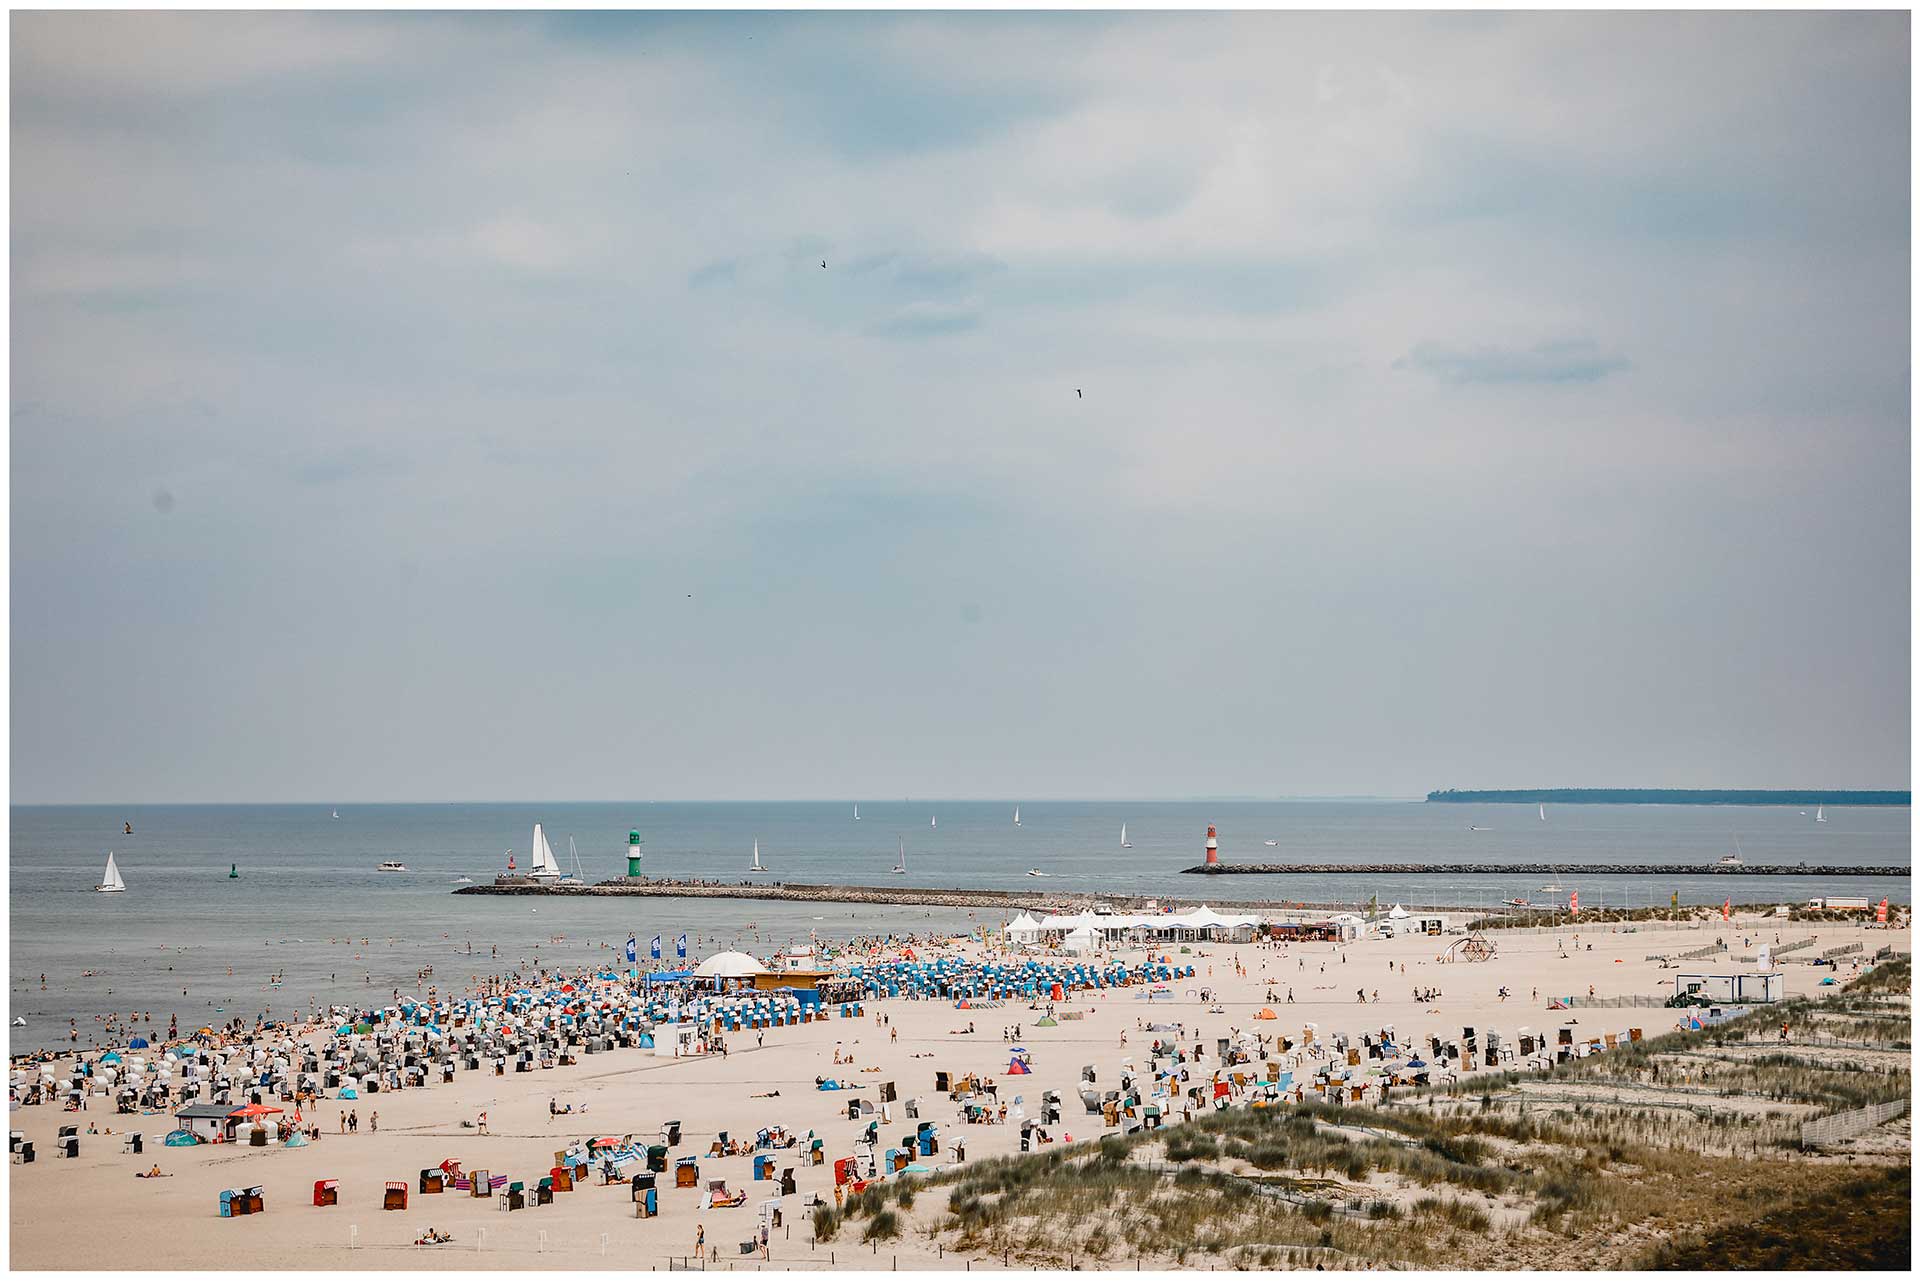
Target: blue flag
<point>656,947</point>
<point>681,947</point>
<point>633,948</point>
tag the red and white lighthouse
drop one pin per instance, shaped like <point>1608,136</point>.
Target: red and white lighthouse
<point>1213,847</point>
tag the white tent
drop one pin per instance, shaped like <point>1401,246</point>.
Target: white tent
<point>729,965</point>
<point>1023,929</point>
<point>1398,913</point>
<point>1079,942</point>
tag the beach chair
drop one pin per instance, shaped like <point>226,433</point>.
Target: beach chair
<point>256,1200</point>
<point>687,1173</point>
<point>542,1193</point>
<point>395,1197</point>
<point>762,1167</point>
<point>718,1198</point>
<point>481,1184</point>
<point>817,1152</point>
<point>657,1158</point>
<point>788,1185</point>
<point>432,1182</point>
<point>562,1178</point>
<point>326,1192</point>
<point>645,1202</point>
<point>227,1200</point>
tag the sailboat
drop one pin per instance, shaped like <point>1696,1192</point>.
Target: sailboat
<point>1820,814</point>
<point>1016,816</point>
<point>756,857</point>
<point>856,811</point>
<point>545,866</point>
<point>336,813</point>
<point>110,882</point>
<point>900,868</point>
<point>575,879</point>
<point>1543,813</point>
<point>1125,844</point>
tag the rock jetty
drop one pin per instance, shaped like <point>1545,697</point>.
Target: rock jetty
<point>1539,869</point>
<point>893,895</point>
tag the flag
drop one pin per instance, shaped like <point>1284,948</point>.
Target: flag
<point>1676,898</point>
<point>633,948</point>
<point>1573,903</point>
<point>1726,910</point>
<point>1881,914</point>
<point>656,947</point>
<point>680,947</point>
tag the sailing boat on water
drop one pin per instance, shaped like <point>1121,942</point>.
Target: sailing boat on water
<point>1125,844</point>
<point>110,882</point>
<point>1016,816</point>
<point>856,811</point>
<point>1543,813</point>
<point>900,868</point>
<point>756,857</point>
<point>576,878</point>
<point>1820,814</point>
<point>934,821</point>
<point>545,866</point>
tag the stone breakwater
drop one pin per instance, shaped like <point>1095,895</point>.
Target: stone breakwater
<point>1538,869</point>
<point>890,895</point>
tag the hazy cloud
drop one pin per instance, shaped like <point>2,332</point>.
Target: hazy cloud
<point>1568,361</point>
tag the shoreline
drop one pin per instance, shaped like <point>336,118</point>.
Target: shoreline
<point>1542,869</point>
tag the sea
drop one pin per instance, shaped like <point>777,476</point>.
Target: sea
<point>309,923</point>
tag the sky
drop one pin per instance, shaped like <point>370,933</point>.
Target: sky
<point>435,406</point>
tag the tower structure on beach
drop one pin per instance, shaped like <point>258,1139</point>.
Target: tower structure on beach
<point>1213,847</point>
<point>633,854</point>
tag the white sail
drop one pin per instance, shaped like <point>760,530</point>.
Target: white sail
<point>901,866</point>
<point>1124,843</point>
<point>1820,814</point>
<point>1016,816</point>
<point>544,863</point>
<point>934,821</point>
<point>856,811</point>
<point>110,881</point>
<point>1543,813</point>
<point>756,858</point>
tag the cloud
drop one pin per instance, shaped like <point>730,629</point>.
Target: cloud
<point>928,319</point>
<point>1576,360</point>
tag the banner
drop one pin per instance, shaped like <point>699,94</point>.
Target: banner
<point>680,948</point>
<point>1573,903</point>
<point>1676,898</point>
<point>1726,910</point>
<point>656,947</point>
<point>1880,914</point>
<point>633,948</point>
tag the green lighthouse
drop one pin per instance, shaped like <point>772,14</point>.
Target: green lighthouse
<point>633,854</point>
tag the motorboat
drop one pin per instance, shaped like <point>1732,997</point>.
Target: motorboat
<point>1034,871</point>
<point>392,865</point>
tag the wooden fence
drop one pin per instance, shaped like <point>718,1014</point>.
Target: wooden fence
<point>1845,1125</point>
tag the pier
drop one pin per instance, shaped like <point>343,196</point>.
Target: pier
<point>1539,869</point>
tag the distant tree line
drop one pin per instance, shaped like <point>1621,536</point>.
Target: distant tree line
<point>1668,796</point>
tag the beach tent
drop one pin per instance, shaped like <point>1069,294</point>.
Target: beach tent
<point>180,1139</point>
<point>1079,941</point>
<point>1397,913</point>
<point>137,1043</point>
<point>1023,929</point>
<point>729,965</point>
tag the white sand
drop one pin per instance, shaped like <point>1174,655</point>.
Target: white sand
<point>92,1212</point>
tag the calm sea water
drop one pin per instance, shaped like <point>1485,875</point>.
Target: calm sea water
<point>308,891</point>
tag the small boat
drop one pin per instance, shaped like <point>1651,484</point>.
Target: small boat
<point>1034,871</point>
<point>1820,814</point>
<point>463,880</point>
<point>856,811</point>
<point>19,1022</point>
<point>336,813</point>
<point>900,868</point>
<point>545,866</point>
<point>391,865</point>
<point>1273,843</point>
<point>129,826</point>
<point>934,821</point>
<point>1016,816</point>
<point>110,882</point>
<point>756,858</point>
<point>1517,902</point>
<point>1730,860</point>
<point>1479,829</point>
<point>1543,813</point>
<point>1125,844</point>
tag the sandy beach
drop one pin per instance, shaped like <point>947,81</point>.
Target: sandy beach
<point>769,1079</point>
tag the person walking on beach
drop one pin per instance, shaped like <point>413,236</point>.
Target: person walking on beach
<point>700,1239</point>
<point>343,1123</point>
<point>373,1122</point>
